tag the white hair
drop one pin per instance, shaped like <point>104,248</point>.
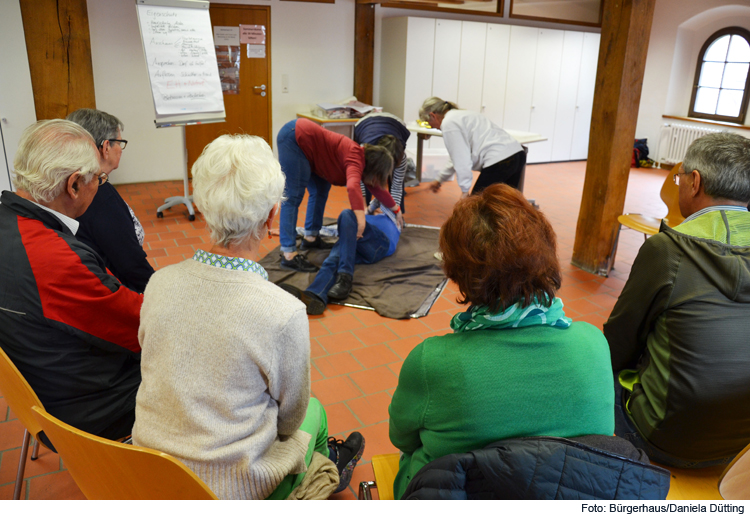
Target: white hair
<point>48,153</point>
<point>236,183</point>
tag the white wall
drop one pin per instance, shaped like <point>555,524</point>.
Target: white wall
<point>312,43</point>
<point>679,30</point>
<point>16,96</point>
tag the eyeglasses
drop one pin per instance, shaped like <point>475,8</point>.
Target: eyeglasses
<point>103,177</point>
<point>123,142</point>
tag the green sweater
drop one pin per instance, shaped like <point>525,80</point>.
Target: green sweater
<point>463,391</point>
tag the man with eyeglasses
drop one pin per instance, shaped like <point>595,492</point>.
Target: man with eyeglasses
<point>680,330</point>
<point>68,325</point>
<point>109,226</point>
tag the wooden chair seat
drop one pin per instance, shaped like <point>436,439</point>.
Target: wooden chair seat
<point>694,484</point>
<point>647,225</point>
<point>385,468</point>
<point>734,483</point>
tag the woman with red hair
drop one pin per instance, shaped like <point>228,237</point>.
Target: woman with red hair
<point>514,365</point>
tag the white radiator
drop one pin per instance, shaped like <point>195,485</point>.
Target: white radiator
<point>675,139</point>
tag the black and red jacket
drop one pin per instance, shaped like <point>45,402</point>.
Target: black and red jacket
<point>66,323</point>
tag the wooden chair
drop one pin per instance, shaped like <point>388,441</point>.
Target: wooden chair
<point>385,468</point>
<point>109,470</point>
<point>648,225</point>
<point>21,398</point>
<point>734,483</point>
<point>693,484</point>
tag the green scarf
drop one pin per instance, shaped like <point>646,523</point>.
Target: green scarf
<point>479,317</point>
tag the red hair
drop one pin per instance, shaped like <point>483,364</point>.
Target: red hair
<point>500,250</point>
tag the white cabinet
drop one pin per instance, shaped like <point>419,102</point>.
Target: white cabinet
<point>495,72</point>
<point>549,51</point>
<point>585,99</point>
<point>567,96</point>
<point>471,65</point>
<point>520,88</point>
<point>523,78</point>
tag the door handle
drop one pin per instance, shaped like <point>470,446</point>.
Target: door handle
<point>260,89</point>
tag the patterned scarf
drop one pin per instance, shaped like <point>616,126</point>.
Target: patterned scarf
<point>479,317</point>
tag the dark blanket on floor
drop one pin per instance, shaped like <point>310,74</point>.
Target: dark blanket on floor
<point>395,287</point>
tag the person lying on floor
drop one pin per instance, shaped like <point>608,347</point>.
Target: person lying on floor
<point>226,353</point>
<point>336,275</point>
<point>514,365</point>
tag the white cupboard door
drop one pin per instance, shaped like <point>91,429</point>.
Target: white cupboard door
<point>520,87</point>
<point>471,65</point>
<point>420,50</point>
<point>585,100</point>
<point>495,72</point>
<point>546,82</point>
<point>420,46</point>
<point>445,65</point>
<point>562,138</point>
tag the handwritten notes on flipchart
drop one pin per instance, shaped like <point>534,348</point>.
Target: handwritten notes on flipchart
<point>181,59</point>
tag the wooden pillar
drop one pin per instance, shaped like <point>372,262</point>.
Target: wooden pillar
<point>59,49</point>
<point>626,27</point>
<point>364,51</point>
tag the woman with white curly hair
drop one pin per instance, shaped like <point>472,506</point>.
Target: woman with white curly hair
<point>226,353</point>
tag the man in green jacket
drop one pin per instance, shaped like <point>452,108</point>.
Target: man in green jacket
<point>680,331</point>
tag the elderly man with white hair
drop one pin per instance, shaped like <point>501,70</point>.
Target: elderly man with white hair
<point>226,353</point>
<point>68,325</point>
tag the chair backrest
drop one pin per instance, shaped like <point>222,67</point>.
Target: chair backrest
<point>734,483</point>
<point>108,470</point>
<point>670,196</point>
<point>19,394</point>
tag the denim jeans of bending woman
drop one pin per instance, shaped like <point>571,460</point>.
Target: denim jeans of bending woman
<point>299,176</point>
<point>348,251</point>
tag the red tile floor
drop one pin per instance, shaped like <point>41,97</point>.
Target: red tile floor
<point>356,354</point>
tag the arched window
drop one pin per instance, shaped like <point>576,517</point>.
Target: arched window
<point>722,84</point>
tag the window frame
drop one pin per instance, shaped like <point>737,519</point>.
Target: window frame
<point>699,67</point>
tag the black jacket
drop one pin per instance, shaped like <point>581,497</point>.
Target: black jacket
<point>68,326</point>
<point>587,467</point>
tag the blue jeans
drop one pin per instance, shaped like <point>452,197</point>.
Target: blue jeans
<point>299,176</point>
<point>348,251</point>
<point>625,428</point>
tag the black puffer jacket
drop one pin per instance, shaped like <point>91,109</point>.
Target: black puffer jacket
<point>587,467</point>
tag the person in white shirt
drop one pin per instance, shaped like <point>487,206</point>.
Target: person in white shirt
<point>474,143</point>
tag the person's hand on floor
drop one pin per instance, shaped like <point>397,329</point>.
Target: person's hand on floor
<point>435,186</point>
<point>400,220</point>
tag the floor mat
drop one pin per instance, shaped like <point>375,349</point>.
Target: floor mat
<point>404,285</point>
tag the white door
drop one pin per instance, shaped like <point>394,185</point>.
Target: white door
<point>471,65</point>
<point>562,138</point>
<point>445,65</point>
<point>546,82</point>
<point>420,50</point>
<point>585,100</point>
<point>16,96</point>
<point>495,72</point>
<point>520,87</point>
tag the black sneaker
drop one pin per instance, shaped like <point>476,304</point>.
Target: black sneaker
<point>346,454</point>
<point>318,243</point>
<point>315,305</point>
<point>342,288</point>
<point>298,263</point>
<point>291,289</point>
